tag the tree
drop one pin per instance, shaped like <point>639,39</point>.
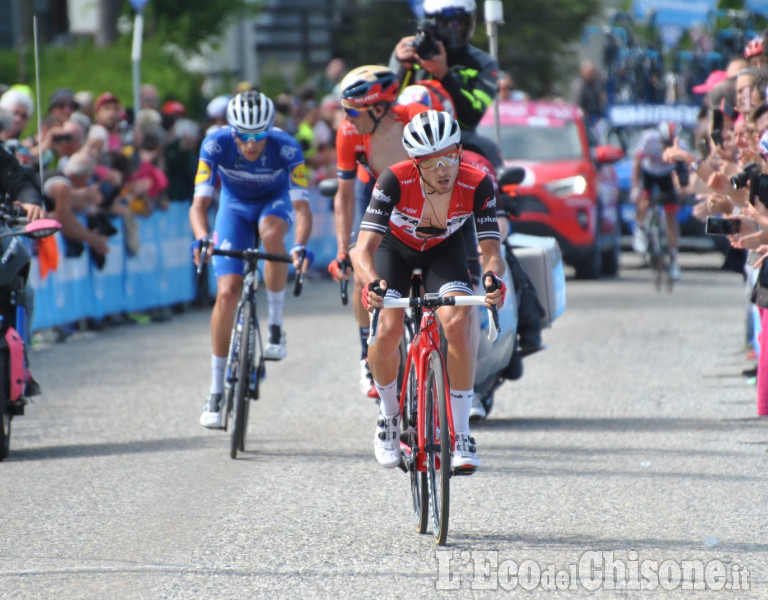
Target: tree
<point>534,42</point>
<point>191,23</point>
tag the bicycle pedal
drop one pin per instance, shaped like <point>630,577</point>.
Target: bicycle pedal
<point>401,465</point>
<point>408,437</point>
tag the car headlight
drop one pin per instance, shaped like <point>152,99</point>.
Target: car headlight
<point>568,186</point>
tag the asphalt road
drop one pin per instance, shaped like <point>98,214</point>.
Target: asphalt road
<point>629,451</point>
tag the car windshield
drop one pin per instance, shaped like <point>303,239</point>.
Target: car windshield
<point>541,143</point>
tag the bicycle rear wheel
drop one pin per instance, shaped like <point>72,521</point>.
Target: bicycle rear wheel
<point>419,491</point>
<point>438,447</point>
<point>240,417</point>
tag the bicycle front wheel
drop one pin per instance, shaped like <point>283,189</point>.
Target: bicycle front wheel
<point>419,491</point>
<point>438,447</point>
<point>240,417</point>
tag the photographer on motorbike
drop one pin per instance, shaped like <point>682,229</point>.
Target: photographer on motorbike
<point>439,50</point>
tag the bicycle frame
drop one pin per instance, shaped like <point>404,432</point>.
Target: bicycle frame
<point>424,342</point>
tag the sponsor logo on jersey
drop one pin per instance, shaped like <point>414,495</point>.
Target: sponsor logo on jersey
<point>212,147</point>
<point>203,172</point>
<point>491,203</point>
<point>374,211</point>
<point>288,152</point>
<point>299,175</point>
<point>483,220</point>
<point>465,185</point>
<point>381,196</point>
<point>409,210</point>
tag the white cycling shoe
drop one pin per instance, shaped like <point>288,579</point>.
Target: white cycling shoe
<point>465,456</point>
<point>275,349</point>
<point>211,417</point>
<point>386,442</point>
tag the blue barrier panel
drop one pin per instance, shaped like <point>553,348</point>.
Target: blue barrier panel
<point>161,273</point>
<point>107,283</point>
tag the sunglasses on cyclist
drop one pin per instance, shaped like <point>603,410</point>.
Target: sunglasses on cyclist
<point>356,112</point>
<point>247,137</point>
<point>448,159</point>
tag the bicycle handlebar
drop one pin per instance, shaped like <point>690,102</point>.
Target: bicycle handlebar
<point>434,301</point>
<point>248,254</point>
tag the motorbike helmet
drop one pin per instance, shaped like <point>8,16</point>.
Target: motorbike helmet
<point>251,112</point>
<point>455,20</point>
<point>430,132</point>
<point>667,131</point>
<point>368,85</point>
<point>753,48</point>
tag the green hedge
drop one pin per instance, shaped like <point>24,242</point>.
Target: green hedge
<point>84,67</point>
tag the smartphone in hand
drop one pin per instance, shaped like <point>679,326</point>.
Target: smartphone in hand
<point>722,226</point>
<point>716,127</point>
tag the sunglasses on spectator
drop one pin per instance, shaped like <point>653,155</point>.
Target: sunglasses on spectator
<point>248,137</point>
<point>448,159</point>
<point>21,115</point>
<point>356,112</point>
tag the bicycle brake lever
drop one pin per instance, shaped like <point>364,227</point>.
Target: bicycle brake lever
<point>300,273</point>
<point>493,323</point>
<point>344,296</point>
<point>373,331</point>
<point>202,264</point>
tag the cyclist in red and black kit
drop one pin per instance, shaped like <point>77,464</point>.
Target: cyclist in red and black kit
<point>413,221</point>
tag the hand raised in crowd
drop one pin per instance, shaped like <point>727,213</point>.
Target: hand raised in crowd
<point>719,183</point>
<point>677,154</point>
<point>99,243</point>
<point>762,251</point>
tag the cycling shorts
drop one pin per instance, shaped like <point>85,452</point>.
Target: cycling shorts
<point>444,267</point>
<point>665,186</point>
<point>237,225</point>
<point>363,191</point>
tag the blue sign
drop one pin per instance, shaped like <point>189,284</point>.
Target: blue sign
<point>138,4</point>
<point>682,13</point>
<point>758,6</point>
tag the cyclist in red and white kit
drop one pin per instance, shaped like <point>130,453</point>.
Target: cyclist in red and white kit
<point>368,141</point>
<point>413,221</point>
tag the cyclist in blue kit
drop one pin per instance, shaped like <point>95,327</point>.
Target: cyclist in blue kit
<point>263,184</point>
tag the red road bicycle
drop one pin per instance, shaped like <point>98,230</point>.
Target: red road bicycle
<point>428,437</point>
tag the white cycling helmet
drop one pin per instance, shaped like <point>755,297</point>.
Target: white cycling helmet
<point>430,132</point>
<point>251,112</point>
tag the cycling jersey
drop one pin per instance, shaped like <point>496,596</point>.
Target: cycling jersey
<point>353,149</point>
<point>398,201</point>
<point>650,151</point>
<point>280,166</point>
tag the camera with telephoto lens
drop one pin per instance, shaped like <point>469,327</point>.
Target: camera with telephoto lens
<point>742,178</point>
<point>426,39</point>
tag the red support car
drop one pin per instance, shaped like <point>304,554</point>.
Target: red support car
<point>570,191</point>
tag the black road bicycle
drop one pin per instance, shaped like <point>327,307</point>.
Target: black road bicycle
<point>245,368</point>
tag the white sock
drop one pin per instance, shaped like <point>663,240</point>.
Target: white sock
<point>275,301</point>
<point>390,405</point>
<point>218,364</point>
<point>461,404</point>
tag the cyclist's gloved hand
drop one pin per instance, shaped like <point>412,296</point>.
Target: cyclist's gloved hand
<point>339,265</point>
<point>375,287</point>
<point>491,283</point>
<point>309,256</point>
<point>198,244</point>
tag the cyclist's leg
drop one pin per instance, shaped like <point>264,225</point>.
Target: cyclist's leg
<point>275,219</point>
<point>671,205</point>
<point>363,190</point>
<point>384,357</point>
<point>231,227</point>
<point>447,274</point>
